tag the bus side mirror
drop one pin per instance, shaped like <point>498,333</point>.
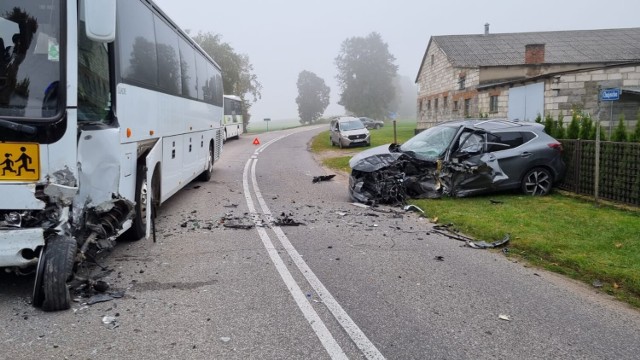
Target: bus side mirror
<point>100,19</point>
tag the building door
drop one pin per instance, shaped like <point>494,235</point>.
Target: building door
<point>526,102</point>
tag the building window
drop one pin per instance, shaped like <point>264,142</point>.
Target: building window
<point>435,104</point>
<point>445,102</point>
<point>493,104</point>
<point>461,82</point>
<point>432,59</point>
<point>428,105</point>
<point>455,105</point>
<point>467,107</point>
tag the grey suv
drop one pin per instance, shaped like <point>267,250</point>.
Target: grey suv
<point>459,158</point>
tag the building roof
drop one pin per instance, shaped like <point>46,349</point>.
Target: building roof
<point>561,47</point>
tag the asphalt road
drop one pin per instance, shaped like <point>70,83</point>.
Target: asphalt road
<point>349,283</point>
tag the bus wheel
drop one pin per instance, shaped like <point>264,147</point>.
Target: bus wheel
<point>138,228</point>
<point>59,257</point>
<point>224,136</point>
<point>37,297</point>
<point>206,175</point>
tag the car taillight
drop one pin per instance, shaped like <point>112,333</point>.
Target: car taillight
<point>556,146</point>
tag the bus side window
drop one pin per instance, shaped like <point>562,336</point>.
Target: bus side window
<point>94,100</point>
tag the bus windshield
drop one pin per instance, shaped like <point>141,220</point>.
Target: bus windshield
<point>30,58</point>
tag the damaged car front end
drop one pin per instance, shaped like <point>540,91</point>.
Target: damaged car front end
<point>459,158</point>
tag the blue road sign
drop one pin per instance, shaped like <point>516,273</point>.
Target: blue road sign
<point>610,94</point>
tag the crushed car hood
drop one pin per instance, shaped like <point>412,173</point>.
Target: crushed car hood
<point>375,158</point>
<point>386,175</point>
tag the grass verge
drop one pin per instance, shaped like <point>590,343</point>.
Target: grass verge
<point>563,234</point>
<point>560,233</point>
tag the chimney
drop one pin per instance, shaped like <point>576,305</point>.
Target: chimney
<point>534,54</point>
<point>486,29</point>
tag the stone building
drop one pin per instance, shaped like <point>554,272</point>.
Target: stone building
<point>523,75</point>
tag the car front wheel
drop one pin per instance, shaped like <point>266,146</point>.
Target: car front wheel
<point>537,182</point>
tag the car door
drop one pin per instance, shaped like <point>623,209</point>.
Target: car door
<point>473,168</point>
<point>334,132</point>
<point>513,158</point>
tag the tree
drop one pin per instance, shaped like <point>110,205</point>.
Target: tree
<point>573,132</point>
<point>237,71</point>
<point>404,101</point>
<point>620,132</point>
<point>366,71</point>
<point>635,135</point>
<point>313,97</point>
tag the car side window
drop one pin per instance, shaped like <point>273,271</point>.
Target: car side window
<point>471,143</point>
<point>505,140</point>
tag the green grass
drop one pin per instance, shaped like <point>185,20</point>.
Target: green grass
<point>560,233</point>
<point>405,130</point>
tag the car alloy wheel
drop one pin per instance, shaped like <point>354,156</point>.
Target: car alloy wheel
<point>537,182</point>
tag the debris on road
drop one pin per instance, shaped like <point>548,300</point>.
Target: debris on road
<point>238,224</point>
<point>414,209</point>
<point>361,205</point>
<point>439,258</point>
<point>504,317</point>
<point>448,231</point>
<point>597,283</point>
<point>317,179</point>
<point>235,222</point>
<point>111,322</point>
<point>286,220</point>
<point>485,245</point>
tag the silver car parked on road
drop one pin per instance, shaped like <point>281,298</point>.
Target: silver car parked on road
<point>459,158</point>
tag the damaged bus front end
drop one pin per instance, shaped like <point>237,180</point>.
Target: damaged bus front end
<point>53,213</point>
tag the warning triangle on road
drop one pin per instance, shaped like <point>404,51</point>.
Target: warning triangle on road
<point>256,141</point>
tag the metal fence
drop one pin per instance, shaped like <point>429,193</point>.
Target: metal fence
<point>619,178</point>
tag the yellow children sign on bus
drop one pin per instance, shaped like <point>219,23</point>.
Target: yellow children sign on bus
<point>19,162</point>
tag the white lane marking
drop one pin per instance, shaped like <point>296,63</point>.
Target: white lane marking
<point>324,335</point>
<point>352,329</point>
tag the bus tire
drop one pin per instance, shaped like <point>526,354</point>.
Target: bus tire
<point>206,175</point>
<point>138,228</point>
<point>224,136</point>
<point>59,258</point>
<point>37,298</point>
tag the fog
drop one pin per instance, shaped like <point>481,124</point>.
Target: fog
<point>284,37</point>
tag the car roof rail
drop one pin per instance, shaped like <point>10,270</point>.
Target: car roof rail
<point>498,121</point>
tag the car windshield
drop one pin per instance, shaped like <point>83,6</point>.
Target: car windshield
<point>29,58</point>
<point>431,143</point>
<point>351,125</point>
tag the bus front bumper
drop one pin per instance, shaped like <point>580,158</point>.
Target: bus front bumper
<point>18,248</point>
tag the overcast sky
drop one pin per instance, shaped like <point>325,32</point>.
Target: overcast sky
<point>284,37</point>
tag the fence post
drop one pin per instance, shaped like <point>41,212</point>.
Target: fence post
<point>597,172</point>
<point>577,163</point>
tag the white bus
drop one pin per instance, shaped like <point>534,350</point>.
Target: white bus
<point>233,119</point>
<point>99,125</point>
